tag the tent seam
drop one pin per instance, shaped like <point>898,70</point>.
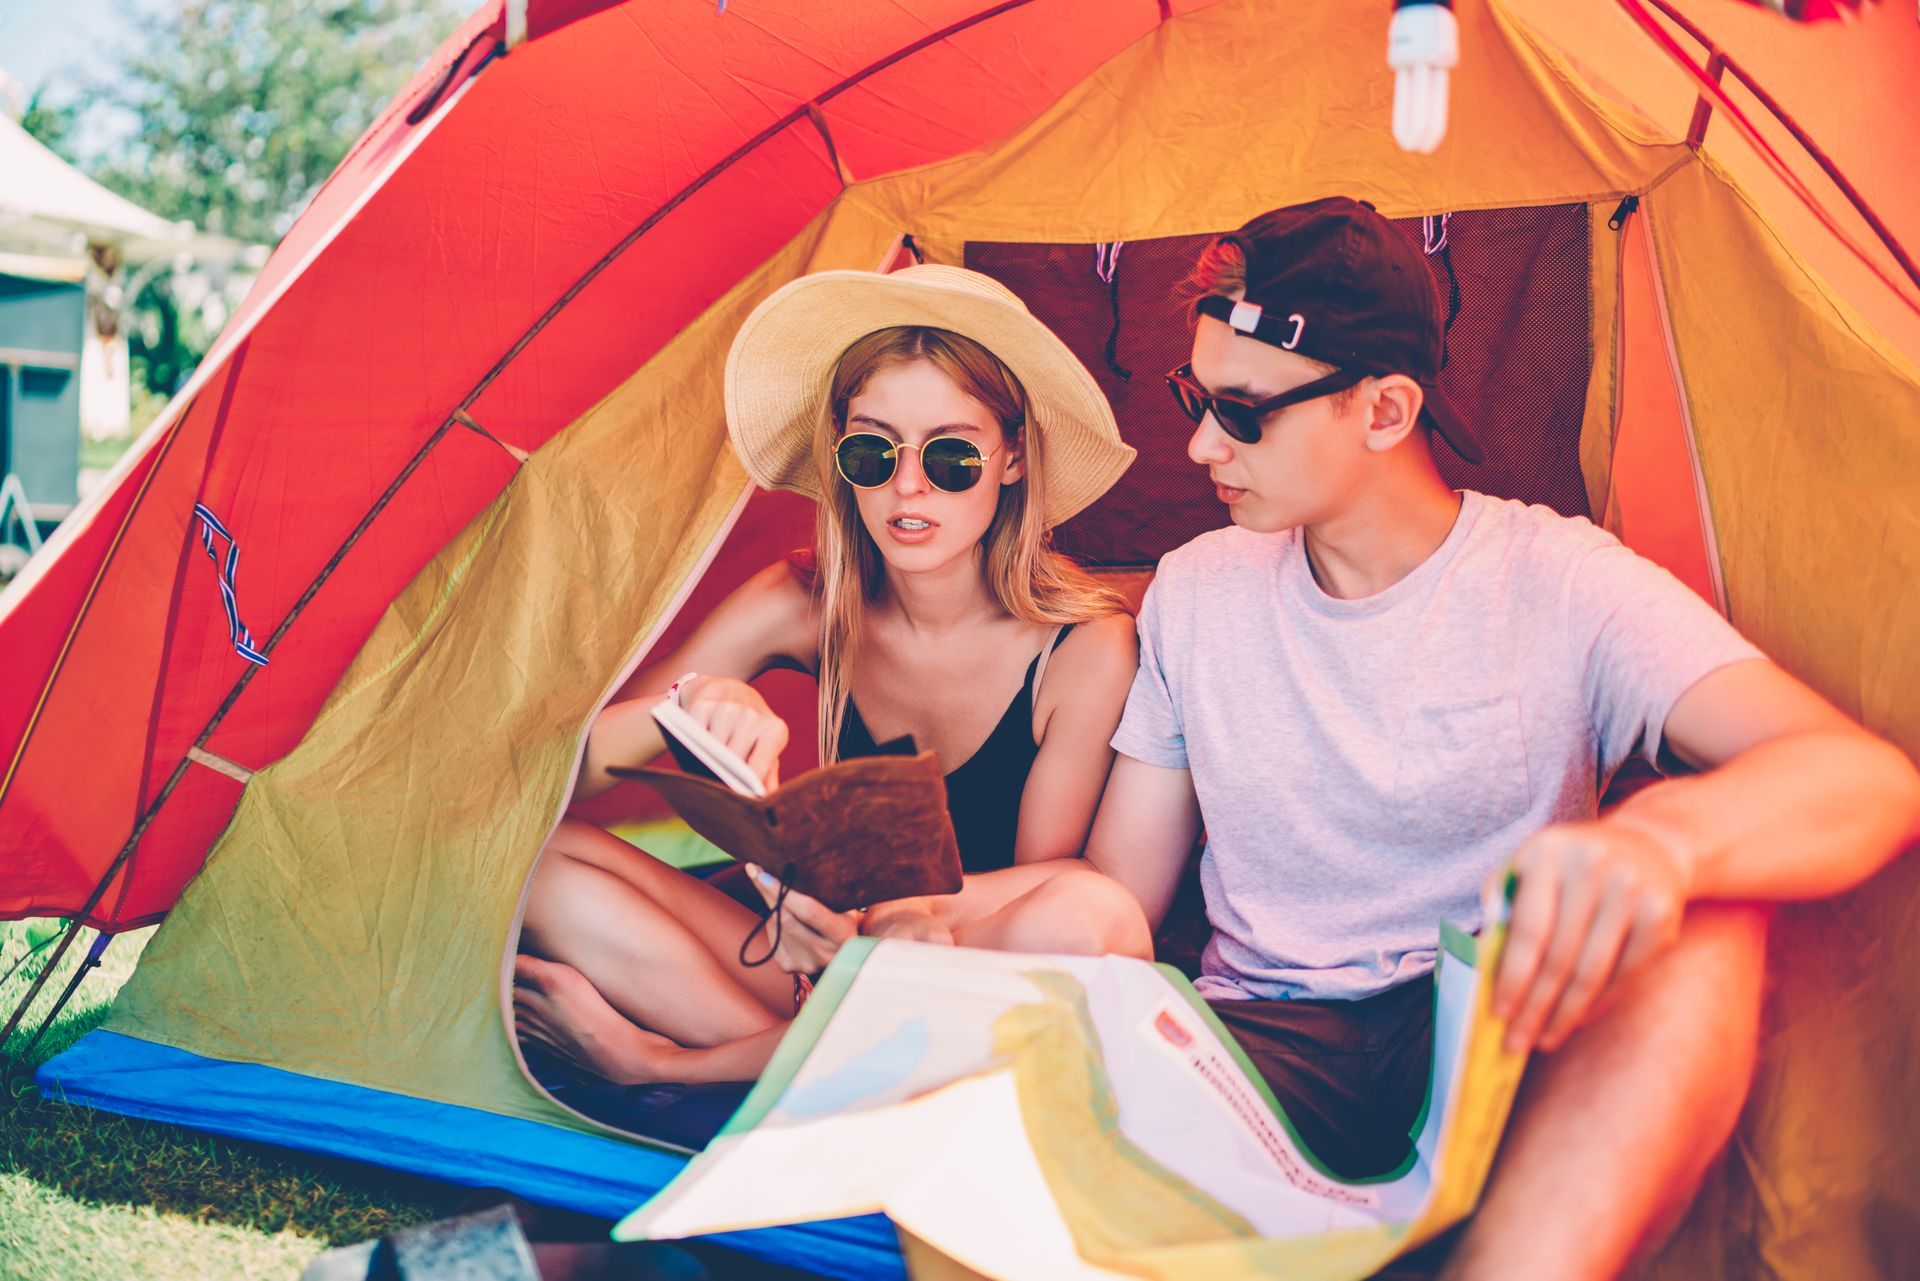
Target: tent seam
<point>1703,496</point>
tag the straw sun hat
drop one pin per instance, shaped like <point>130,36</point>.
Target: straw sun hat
<point>784,356</point>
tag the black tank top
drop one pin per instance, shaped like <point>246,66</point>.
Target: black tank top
<point>983,795</point>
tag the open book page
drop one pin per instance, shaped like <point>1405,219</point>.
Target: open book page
<point>1196,1157</point>
<point>698,752</point>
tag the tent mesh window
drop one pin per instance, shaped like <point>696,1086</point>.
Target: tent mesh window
<point>1520,351</point>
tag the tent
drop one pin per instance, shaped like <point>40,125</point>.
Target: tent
<point>309,677</point>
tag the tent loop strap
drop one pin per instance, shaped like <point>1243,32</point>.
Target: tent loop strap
<point>425,106</point>
<point>466,420</point>
<point>819,121</point>
<point>1433,241</point>
<point>219,765</point>
<point>1106,265</point>
<point>228,575</point>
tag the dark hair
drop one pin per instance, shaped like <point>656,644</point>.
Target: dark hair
<point>1222,271</point>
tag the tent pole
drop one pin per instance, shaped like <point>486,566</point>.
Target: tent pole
<point>90,963</point>
<point>74,926</point>
<point>1710,83</point>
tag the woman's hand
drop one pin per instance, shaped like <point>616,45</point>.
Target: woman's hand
<point>809,931</point>
<point>733,712</point>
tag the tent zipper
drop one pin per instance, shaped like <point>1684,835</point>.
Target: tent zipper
<point>1622,212</point>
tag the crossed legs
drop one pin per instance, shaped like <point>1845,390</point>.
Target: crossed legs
<point>631,968</point>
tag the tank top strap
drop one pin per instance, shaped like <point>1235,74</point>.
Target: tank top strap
<point>1040,663</point>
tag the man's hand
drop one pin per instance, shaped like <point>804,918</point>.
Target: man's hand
<point>809,931</point>
<point>1595,902</point>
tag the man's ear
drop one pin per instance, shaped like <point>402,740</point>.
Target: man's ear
<point>1395,400</point>
<point>1016,459</point>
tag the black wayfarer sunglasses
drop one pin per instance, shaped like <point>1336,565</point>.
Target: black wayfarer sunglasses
<point>1240,419</point>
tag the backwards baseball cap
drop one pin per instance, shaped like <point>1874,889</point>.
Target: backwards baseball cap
<point>1333,280</point>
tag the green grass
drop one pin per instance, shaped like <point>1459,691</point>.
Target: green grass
<point>85,1194</point>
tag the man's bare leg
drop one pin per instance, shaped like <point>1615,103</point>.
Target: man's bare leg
<point>1062,905</point>
<point>1076,910</point>
<point>1612,1134</point>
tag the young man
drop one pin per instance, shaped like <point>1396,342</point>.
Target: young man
<point>1377,693</point>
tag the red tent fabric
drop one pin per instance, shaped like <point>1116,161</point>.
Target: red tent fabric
<point>320,434</point>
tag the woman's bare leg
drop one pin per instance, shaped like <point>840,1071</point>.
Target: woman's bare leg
<point>555,1005</point>
<point>660,945</point>
<point>1059,906</point>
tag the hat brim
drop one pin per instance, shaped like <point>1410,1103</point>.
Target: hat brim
<point>1446,419</point>
<point>782,361</point>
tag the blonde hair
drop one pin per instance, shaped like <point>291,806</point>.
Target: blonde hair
<point>1024,575</point>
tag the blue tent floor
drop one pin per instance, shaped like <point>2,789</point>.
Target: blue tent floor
<point>602,1176</point>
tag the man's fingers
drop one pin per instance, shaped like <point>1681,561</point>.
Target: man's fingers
<point>1572,918</point>
<point>1655,925</point>
<point>1528,931</point>
<point>1598,958</point>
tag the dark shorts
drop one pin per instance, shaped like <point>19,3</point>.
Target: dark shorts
<point>1351,1075</point>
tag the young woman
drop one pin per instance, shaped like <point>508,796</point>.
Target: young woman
<point>942,430</point>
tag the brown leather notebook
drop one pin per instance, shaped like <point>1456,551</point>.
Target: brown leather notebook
<point>854,833</point>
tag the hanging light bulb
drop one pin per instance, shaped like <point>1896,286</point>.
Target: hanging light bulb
<point>1423,45</point>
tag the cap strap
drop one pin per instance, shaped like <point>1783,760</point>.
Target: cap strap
<point>1252,320</point>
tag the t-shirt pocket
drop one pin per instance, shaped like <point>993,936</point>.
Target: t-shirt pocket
<point>1462,770</point>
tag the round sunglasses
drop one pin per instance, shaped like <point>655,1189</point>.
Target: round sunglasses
<point>867,460</point>
<point>1240,419</point>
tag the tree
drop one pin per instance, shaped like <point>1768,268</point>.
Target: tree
<point>52,122</point>
<point>231,114</point>
<point>237,110</point>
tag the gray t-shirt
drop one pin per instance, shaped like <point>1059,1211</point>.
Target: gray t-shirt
<point>1362,765</point>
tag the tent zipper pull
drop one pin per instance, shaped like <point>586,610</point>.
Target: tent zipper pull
<point>1622,213</point>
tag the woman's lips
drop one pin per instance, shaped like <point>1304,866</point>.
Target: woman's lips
<point>910,536</point>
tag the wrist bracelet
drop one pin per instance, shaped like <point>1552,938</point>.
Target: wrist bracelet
<point>673,690</point>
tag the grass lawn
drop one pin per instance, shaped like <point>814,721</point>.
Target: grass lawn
<point>85,1194</point>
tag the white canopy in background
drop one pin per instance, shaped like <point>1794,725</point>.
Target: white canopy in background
<point>52,215</point>
<point>48,207</point>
